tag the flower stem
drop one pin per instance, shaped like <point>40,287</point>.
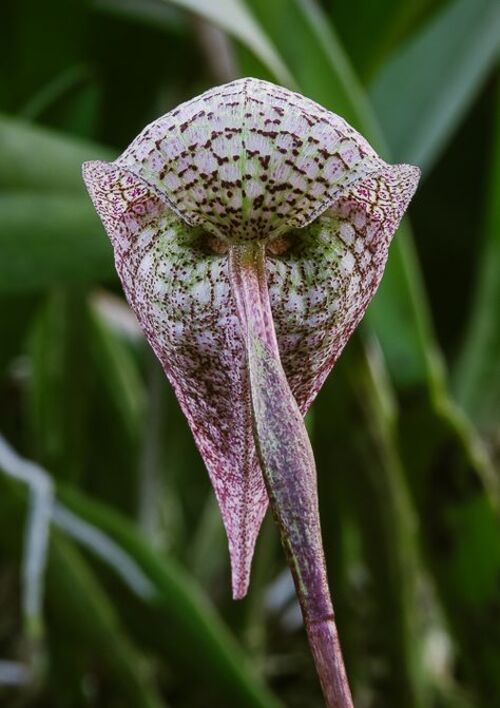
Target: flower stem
<point>287,463</point>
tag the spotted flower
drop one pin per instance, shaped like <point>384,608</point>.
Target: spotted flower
<point>250,228</point>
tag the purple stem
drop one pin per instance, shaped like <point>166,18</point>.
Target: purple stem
<point>288,466</point>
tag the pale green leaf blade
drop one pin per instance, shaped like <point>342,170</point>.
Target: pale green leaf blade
<point>32,157</point>
<point>119,375</point>
<point>379,27</point>
<point>421,95</point>
<point>48,239</point>
<point>477,379</point>
<point>180,601</point>
<point>234,17</point>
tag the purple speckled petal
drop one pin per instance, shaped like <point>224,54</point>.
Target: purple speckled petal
<point>248,161</point>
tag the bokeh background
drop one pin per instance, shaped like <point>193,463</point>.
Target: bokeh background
<point>114,575</point>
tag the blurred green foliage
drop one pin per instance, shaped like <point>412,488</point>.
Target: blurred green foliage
<point>126,600</point>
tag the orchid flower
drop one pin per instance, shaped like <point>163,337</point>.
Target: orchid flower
<point>250,229</point>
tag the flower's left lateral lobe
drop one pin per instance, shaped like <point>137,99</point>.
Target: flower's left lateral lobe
<point>247,165</point>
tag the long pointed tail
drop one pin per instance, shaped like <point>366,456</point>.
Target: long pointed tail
<point>287,463</point>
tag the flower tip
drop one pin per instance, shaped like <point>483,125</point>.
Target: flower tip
<point>410,178</point>
<point>241,541</point>
<point>239,590</point>
<point>92,172</point>
<point>414,174</point>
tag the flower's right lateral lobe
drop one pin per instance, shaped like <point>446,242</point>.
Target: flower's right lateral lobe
<point>250,166</point>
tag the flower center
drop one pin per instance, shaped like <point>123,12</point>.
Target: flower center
<point>277,247</point>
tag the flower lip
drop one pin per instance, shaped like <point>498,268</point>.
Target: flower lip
<point>249,160</point>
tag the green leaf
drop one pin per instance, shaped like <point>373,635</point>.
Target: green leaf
<point>234,17</point>
<point>379,26</point>
<point>35,158</point>
<point>181,605</point>
<point>57,388</point>
<point>477,378</point>
<point>82,607</point>
<point>50,239</point>
<point>208,546</point>
<point>459,533</point>
<point>401,319</point>
<point>119,375</point>
<point>154,13</point>
<point>53,33</point>
<point>422,94</point>
<point>360,470</point>
<point>16,313</point>
<point>79,607</point>
<point>316,58</point>
<point>36,535</point>
<point>54,90</point>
